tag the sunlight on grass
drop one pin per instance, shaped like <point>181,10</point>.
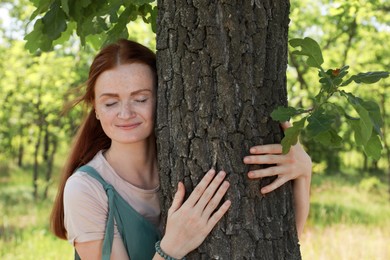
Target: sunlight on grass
<point>344,242</point>
<point>349,219</point>
<point>34,244</point>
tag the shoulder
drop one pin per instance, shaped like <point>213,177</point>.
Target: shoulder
<point>82,190</point>
<point>85,208</point>
<point>81,182</point>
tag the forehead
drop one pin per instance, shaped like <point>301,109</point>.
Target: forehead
<point>126,77</point>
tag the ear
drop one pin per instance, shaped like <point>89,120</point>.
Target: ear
<point>97,116</point>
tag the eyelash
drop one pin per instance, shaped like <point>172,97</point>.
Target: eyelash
<point>110,104</point>
<point>138,101</point>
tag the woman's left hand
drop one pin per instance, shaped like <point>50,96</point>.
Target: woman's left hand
<point>296,164</point>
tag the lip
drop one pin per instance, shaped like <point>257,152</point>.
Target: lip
<point>128,126</point>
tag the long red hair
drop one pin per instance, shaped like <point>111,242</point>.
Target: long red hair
<point>90,137</point>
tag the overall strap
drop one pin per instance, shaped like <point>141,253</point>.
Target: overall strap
<point>139,236</point>
<point>109,234</point>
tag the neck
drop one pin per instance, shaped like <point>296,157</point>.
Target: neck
<point>136,163</point>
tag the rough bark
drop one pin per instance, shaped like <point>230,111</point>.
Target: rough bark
<point>221,68</point>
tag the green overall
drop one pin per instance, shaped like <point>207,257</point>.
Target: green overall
<point>138,234</point>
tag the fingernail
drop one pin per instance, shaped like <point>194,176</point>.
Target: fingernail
<point>221,174</point>
<point>211,172</point>
<point>251,174</point>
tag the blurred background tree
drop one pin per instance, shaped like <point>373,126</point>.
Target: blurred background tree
<point>349,32</point>
<point>353,33</point>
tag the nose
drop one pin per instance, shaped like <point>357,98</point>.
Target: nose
<point>126,111</point>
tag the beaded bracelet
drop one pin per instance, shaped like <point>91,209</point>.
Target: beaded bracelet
<point>164,255</point>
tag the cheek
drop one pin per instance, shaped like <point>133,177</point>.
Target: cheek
<point>105,114</point>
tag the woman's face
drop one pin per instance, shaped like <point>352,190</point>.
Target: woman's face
<point>125,102</point>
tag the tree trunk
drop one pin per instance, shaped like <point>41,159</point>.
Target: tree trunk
<point>221,68</point>
<point>20,149</point>
<point>41,124</point>
<point>49,162</point>
<point>36,156</point>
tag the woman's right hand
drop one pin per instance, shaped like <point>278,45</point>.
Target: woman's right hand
<point>189,223</point>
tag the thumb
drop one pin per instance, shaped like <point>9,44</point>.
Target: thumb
<point>178,199</point>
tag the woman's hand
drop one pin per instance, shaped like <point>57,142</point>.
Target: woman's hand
<point>189,223</point>
<point>296,164</point>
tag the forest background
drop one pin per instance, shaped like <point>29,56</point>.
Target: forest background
<point>350,195</point>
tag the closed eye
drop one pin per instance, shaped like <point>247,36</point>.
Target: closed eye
<point>143,100</point>
<point>110,104</point>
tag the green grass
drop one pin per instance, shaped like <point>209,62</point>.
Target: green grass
<point>349,200</point>
<point>349,219</point>
<point>24,230</point>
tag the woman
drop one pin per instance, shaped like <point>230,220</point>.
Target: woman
<point>117,144</point>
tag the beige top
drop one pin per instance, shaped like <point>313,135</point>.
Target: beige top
<point>85,202</point>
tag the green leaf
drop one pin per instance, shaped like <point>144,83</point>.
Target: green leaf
<point>36,39</point>
<point>65,6</point>
<point>120,28</point>
<point>363,129</point>
<point>373,148</point>
<point>283,114</point>
<point>320,128</point>
<point>319,123</point>
<point>359,134</point>
<point>326,83</point>
<point>367,77</point>
<point>66,34</point>
<point>84,3</point>
<point>291,135</point>
<point>42,7</point>
<point>375,115</point>
<point>54,21</point>
<point>310,48</point>
<point>153,19</point>
<point>113,16</point>
<point>329,138</point>
<point>365,123</point>
<point>137,2</point>
<point>96,40</point>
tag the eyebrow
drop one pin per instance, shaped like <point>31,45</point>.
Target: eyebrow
<point>131,94</point>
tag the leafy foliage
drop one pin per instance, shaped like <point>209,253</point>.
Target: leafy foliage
<point>367,122</point>
<point>348,31</point>
<point>98,21</point>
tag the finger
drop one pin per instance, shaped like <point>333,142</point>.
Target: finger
<point>209,192</point>
<point>268,172</point>
<point>266,149</point>
<point>265,159</point>
<point>200,188</point>
<point>285,125</point>
<point>178,198</point>
<point>218,215</point>
<point>274,185</point>
<point>216,199</point>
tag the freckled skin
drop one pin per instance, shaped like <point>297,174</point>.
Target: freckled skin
<point>125,102</point>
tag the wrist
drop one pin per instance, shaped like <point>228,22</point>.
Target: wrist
<point>167,253</point>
